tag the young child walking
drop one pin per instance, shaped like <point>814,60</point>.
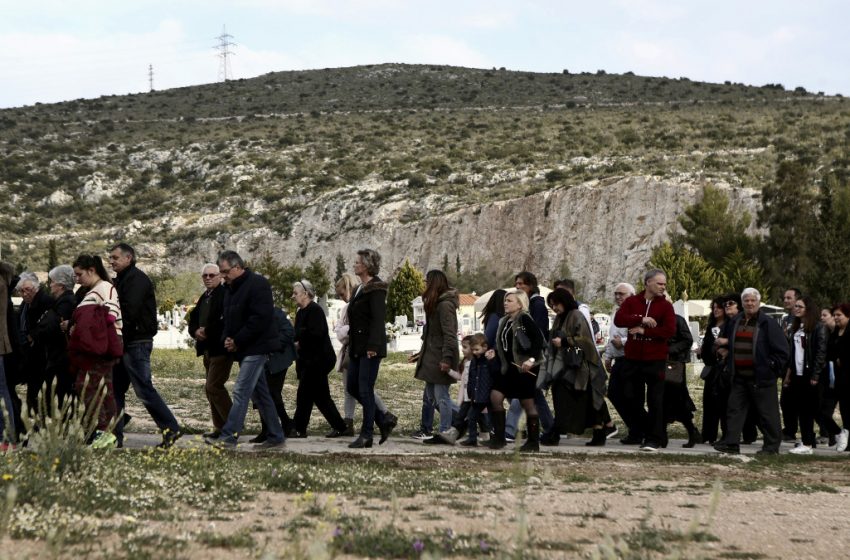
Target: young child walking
<point>478,386</point>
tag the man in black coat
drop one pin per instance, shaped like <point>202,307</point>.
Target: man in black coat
<point>249,336</point>
<point>138,311</point>
<point>206,325</point>
<point>756,354</point>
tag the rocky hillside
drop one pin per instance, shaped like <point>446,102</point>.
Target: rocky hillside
<point>505,169</point>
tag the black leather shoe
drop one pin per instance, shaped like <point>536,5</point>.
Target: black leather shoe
<point>259,438</point>
<point>631,440</point>
<point>386,430</point>
<point>335,433</point>
<point>724,447</point>
<point>298,435</point>
<point>360,443</point>
<point>213,434</point>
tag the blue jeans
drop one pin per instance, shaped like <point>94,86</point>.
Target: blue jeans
<point>362,374</point>
<point>426,423</point>
<point>251,384</point>
<point>135,369</point>
<point>438,396</point>
<point>543,411</point>
<point>6,435</point>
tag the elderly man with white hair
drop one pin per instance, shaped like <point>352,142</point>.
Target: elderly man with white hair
<point>206,325</point>
<point>36,302</point>
<point>614,355</point>
<point>756,354</point>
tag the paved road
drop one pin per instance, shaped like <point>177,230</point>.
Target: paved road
<point>402,445</point>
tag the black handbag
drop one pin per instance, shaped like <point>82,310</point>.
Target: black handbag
<point>675,373</point>
<point>573,357</point>
<point>522,340</point>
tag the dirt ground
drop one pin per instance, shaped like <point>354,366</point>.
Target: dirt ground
<point>566,504</point>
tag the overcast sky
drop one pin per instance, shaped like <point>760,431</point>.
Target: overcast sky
<point>57,50</point>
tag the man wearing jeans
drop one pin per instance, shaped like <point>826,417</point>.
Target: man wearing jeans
<point>138,311</point>
<point>249,335</point>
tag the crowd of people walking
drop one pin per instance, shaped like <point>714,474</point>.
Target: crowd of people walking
<point>94,343</point>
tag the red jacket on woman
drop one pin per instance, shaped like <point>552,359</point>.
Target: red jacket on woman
<point>652,344</point>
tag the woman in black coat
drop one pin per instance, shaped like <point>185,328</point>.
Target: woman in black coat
<point>808,371</point>
<point>678,405</point>
<point>367,344</point>
<point>519,347</point>
<point>316,359</point>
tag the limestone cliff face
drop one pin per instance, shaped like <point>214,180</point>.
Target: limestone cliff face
<point>604,230</point>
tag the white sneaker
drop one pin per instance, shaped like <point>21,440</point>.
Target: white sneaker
<point>649,447</point>
<point>801,450</point>
<point>841,441</point>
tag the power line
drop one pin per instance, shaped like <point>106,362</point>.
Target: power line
<point>224,43</point>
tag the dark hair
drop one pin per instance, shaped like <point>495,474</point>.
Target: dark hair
<point>719,301</point>
<point>7,272</point>
<point>563,297</point>
<point>477,339</point>
<point>736,297</point>
<point>436,284</point>
<point>797,292</point>
<point>495,306</point>
<point>812,317</point>
<point>528,279</point>
<point>232,258</point>
<point>126,250</point>
<point>92,261</point>
<point>843,307</point>
<point>566,283</point>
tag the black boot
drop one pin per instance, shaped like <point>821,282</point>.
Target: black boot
<point>598,439</point>
<point>693,435</point>
<point>498,439</point>
<point>349,427</point>
<point>532,444</point>
<point>262,436</point>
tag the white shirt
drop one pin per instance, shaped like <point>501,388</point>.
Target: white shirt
<point>799,351</point>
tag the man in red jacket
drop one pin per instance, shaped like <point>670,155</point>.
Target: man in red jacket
<point>651,323</point>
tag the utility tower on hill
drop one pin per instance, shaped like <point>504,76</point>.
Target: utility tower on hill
<point>150,76</point>
<point>224,44</point>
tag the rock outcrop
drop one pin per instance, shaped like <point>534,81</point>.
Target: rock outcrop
<point>604,230</point>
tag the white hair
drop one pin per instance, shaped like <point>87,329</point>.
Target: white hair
<point>209,265</point>
<point>629,288</point>
<point>750,292</point>
<point>64,275</point>
<point>27,277</point>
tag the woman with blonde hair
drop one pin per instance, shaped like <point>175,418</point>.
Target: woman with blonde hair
<point>345,287</point>
<point>519,347</point>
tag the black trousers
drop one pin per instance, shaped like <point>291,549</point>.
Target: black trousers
<point>790,414</point>
<point>313,389</point>
<point>715,397</point>
<point>828,400</point>
<point>615,391</point>
<point>643,381</point>
<point>807,401</point>
<point>275,382</point>
<point>746,395</point>
<point>842,395</point>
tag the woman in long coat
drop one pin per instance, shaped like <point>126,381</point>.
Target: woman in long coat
<point>578,393</point>
<point>439,354</point>
<point>315,360</point>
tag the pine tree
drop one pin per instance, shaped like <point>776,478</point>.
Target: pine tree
<point>52,257</point>
<point>406,285</point>
<point>712,231</point>
<point>687,272</point>
<point>317,274</point>
<point>740,271</point>
<point>340,267</point>
<point>281,279</point>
